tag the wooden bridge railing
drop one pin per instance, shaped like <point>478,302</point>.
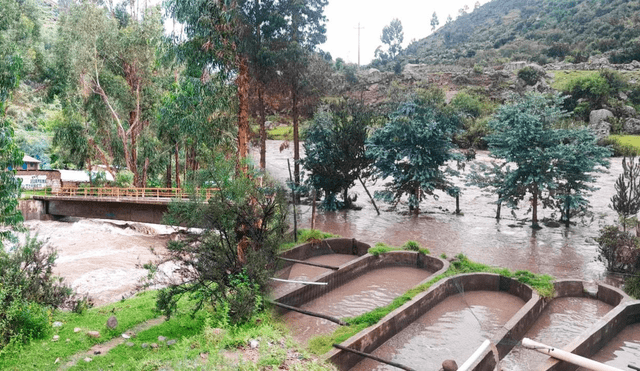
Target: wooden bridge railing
<point>109,192</point>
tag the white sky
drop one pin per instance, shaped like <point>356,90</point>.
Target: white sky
<point>343,17</point>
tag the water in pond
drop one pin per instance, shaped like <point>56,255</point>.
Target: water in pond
<point>562,321</point>
<point>453,329</point>
<point>303,272</point>
<point>557,250</point>
<point>623,350</point>
<point>371,290</point>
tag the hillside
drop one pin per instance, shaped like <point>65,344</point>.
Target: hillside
<point>540,31</point>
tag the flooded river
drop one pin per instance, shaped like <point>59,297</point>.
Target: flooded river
<point>557,250</point>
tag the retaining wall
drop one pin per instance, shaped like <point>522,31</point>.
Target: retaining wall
<point>358,267</point>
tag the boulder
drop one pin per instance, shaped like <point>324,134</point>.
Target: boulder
<point>598,123</point>
<point>628,111</point>
<point>449,365</point>
<point>112,322</point>
<point>632,126</point>
<point>93,334</point>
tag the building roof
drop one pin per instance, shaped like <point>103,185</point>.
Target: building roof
<point>79,176</point>
<point>29,159</point>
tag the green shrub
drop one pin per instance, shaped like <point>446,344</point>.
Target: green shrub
<point>529,75</point>
<point>618,250</point>
<point>412,246</point>
<point>124,179</point>
<point>28,290</point>
<point>632,286</point>
<point>23,320</point>
<point>620,149</point>
<point>380,248</point>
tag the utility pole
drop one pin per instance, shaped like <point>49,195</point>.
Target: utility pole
<point>359,28</point>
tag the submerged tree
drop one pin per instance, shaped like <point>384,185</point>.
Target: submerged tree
<point>335,151</point>
<point>489,178</point>
<point>551,164</point>
<point>413,149</point>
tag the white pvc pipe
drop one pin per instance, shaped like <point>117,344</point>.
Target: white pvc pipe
<point>567,357</point>
<point>302,282</point>
<point>467,365</point>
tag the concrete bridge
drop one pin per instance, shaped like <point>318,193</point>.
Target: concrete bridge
<point>145,205</point>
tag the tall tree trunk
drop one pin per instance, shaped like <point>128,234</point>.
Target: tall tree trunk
<point>144,172</point>
<point>296,135</point>
<point>263,129</point>
<point>169,183</point>
<point>177,153</point>
<point>499,206</point>
<point>534,204</point>
<point>242,81</point>
<point>133,167</point>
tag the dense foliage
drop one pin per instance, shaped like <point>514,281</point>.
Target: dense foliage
<point>228,263</point>
<point>552,165</point>
<point>413,149</point>
<point>534,30</point>
<point>335,151</point>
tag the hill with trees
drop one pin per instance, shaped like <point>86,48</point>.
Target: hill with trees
<point>539,31</point>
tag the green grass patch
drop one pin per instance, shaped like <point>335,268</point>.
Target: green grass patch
<point>625,145</point>
<point>280,133</point>
<point>321,344</point>
<point>382,248</point>
<point>305,235</point>
<point>561,79</point>
<point>41,354</point>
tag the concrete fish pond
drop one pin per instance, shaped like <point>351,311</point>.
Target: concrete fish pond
<point>451,319</point>
<point>356,287</point>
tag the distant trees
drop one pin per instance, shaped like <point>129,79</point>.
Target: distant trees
<point>108,70</point>
<point>434,21</point>
<point>392,36</point>
<point>551,163</point>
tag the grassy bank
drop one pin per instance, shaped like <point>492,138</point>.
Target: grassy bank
<point>206,339</point>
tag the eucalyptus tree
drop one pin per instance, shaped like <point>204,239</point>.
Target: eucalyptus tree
<point>233,37</point>
<point>393,35</point>
<point>305,29</point>
<point>12,24</point>
<point>110,77</point>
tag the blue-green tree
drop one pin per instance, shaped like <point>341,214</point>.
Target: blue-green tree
<point>335,151</point>
<point>413,149</point>
<point>547,158</point>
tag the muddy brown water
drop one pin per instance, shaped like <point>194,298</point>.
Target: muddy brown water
<point>623,350</point>
<point>453,329</point>
<point>303,272</point>
<point>366,292</point>
<point>564,252</point>
<point>563,320</point>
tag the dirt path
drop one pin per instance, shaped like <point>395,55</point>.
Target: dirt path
<point>103,348</point>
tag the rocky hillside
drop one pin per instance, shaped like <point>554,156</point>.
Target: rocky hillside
<point>541,31</point>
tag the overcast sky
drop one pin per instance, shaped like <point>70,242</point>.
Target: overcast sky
<point>343,17</point>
